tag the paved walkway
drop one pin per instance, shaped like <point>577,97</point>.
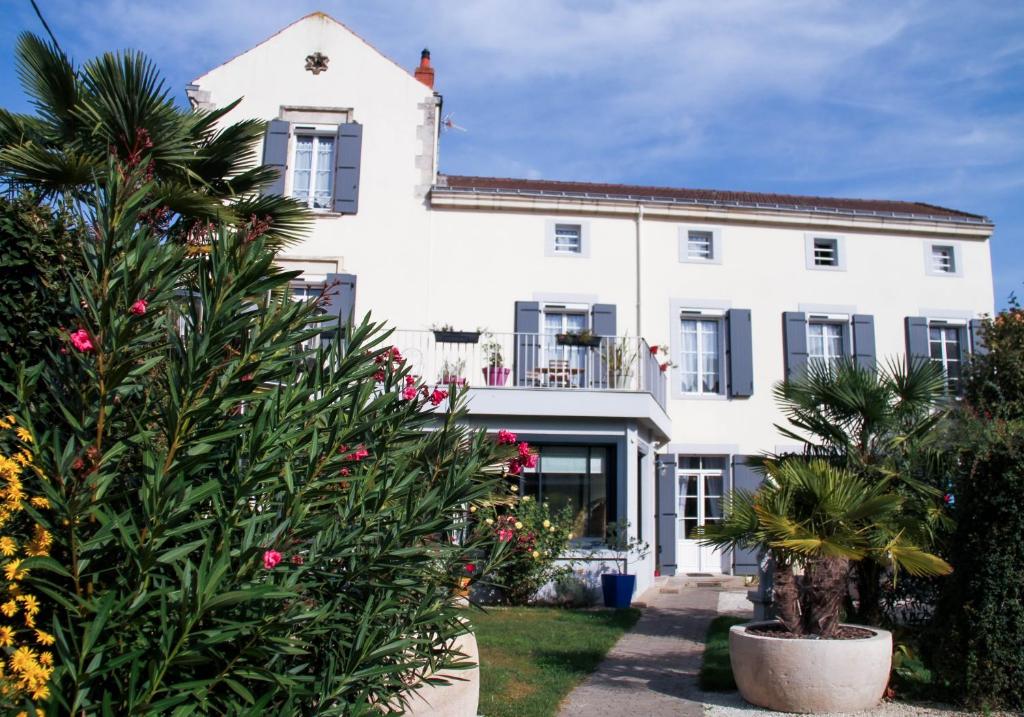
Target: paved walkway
<point>652,670</point>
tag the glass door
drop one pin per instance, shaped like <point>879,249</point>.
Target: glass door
<point>701,487</point>
<point>563,366</point>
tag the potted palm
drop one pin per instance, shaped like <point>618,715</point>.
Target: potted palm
<point>617,588</point>
<point>495,373</point>
<point>621,359</point>
<point>814,520</point>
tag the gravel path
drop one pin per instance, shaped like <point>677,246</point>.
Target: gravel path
<point>730,704</point>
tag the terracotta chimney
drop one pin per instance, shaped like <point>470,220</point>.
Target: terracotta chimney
<point>425,73</point>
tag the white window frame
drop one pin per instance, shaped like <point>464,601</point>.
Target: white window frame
<point>317,132</point>
<point>311,290</point>
<point>840,250</point>
<point>929,258</point>
<point>843,324</point>
<point>701,474</point>
<point>963,341</point>
<point>684,244</point>
<point>716,316</point>
<point>550,229</point>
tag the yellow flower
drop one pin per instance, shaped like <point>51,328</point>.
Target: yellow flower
<point>30,602</point>
<point>525,498</point>
<point>519,525</point>
<point>40,502</point>
<point>7,421</point>
<point>43,638</point>
<point>40,543</point>
<point>23,435</point>
<point>46,659</point>
<point>9,608</point>
<point>41,693</point>
<point>6,636</point>
<point>489,521</point>
<point>513,488</point>
<point>536,554</point>
<point>570,536</point>
<point>546,524</point>
<point>551,529</point>
<point>12,572</point>
<point>472,509</point>
<point>7,546</point>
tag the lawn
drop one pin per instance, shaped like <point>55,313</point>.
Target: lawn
<point>531,657</point>
<point>715,671</point>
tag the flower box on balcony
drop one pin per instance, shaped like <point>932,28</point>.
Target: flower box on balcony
<point>581,339</point>
<point>456,337</point>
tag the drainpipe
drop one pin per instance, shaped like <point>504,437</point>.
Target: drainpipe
<point>639,233</point>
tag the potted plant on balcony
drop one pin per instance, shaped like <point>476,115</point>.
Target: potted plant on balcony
<point>814,520</point>
<point>578,338</point>
<point>451,372</point>
<point>617,588</point>
<point>495,373</point>
<point>620,362</point>
<point>446,334</point>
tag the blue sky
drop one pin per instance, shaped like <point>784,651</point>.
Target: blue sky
<point>900,99</point>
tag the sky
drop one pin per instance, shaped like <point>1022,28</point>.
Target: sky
<point>904,99</point>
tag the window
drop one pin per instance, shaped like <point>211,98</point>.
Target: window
<point>701,487</point>
<point>700,245</point>
<point>577,476</point>
<point>307,291</point>
<point>562,365</point>
<point>945,344</point>
<point>313,173</point>
<point>826,252</point>
<point>825,341</point>
<point>700,364</point>
<point>568,239</point>
<point>943,260</point>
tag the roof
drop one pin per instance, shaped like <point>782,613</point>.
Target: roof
<point>706,197</point>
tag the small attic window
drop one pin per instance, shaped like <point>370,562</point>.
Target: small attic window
<point>317,62</point>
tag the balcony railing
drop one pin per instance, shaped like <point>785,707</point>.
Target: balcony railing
<point>537,361</point>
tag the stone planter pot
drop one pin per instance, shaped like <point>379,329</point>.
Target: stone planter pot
<point>810,676</point>
<point>459,698</point>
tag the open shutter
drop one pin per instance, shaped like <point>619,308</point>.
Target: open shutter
<point>602,320</point>
<point>527,328</point>
<point>348,158</point>
<point>977,342</point>
<point>668,504</point>
<point>794,333</point>
<point>602,323</point>
<point>744,477</point>
<point>916,328</point>
<point>741,354</point>
<point>275,153</point>
<point>341,298</point>
<point>864,341</point>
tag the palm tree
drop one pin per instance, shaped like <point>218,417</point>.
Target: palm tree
<point>881,426</point>
<point>815,518</point>
<point>117,108</point>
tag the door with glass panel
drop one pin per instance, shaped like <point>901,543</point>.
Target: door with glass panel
<point>562,366</point>
<point>945,347</point>
<point>700,356</point>
<point>701,487</point>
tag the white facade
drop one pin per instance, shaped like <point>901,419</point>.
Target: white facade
<point>430,250</point>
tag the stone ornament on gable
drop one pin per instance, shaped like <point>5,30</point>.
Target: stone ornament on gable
<point>317,62</point>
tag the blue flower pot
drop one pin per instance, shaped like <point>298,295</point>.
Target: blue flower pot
<point>618,589</point>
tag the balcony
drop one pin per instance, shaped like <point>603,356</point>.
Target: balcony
<point>543,375</point>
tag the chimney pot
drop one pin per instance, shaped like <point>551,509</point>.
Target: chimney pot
<point>425,73</point>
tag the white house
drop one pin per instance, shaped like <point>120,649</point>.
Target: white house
<point>739,288</point>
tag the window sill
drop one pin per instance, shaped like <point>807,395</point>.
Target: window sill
<point>700,396</point>
<point>817,267</point>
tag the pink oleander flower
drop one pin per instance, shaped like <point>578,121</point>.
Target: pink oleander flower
<point>437,396</point>
<point>270,559</point>
<point>505,535</point>
<point>654,349</point>
<point>359,453</point>
<point>524,449</point>
<point>139,307</point>
<point>506,437</point>
<point>81,340</point>
<point>346,472</point>
<point>663,367</point>
<point>515,467</point>
<point>410,380</point>
<point>246,377</point>
<point>409,393</point>
<point>396,355</point>
<point>529,461</point>
<point>297,560</point>
<point>470,568</point>
<point>379,377</point>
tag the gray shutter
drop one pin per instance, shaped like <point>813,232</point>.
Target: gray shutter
<point>744,477</point>
<point>668,504</point>
<point>275,153</point>
<point>741,354</point>
<point>794,333</point>
<point>864,341</point>
<point>602,320</point>
<point>348,157</point>
<point>341,298</point>
<point>977,342</point>
<point>527,328</point>
<point>916,329</point>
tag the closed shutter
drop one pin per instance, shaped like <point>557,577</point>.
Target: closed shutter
<point>348,159</point>
<point>741,354</point>
<point>864,341</point>
<point>668,504</point>
<point>275,153</point>
<point>977,342</point>
<point>794,333</point>
<point>527,328</point>
<point>744,477</point>
<point>341,298</point>
<point>916,329</point>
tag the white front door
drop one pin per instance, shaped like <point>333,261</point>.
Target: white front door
<point>701,486</point>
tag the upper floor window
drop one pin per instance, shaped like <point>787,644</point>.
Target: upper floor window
<point>700,245</point>
<point>700,355</point>
<point>568,239</point>
<point>943,260</point>
<point>313,173</point>
<point>946,344</point>
<point>825,252</point>
<point>825,341</point>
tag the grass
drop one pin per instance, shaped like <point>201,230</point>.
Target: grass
<point>531,657</point>
<point>715,670</point>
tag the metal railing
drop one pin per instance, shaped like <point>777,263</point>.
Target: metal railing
<point>542,361</point>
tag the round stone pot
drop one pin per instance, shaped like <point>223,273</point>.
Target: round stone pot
<point>459,698</point>
<point>789,675</point>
